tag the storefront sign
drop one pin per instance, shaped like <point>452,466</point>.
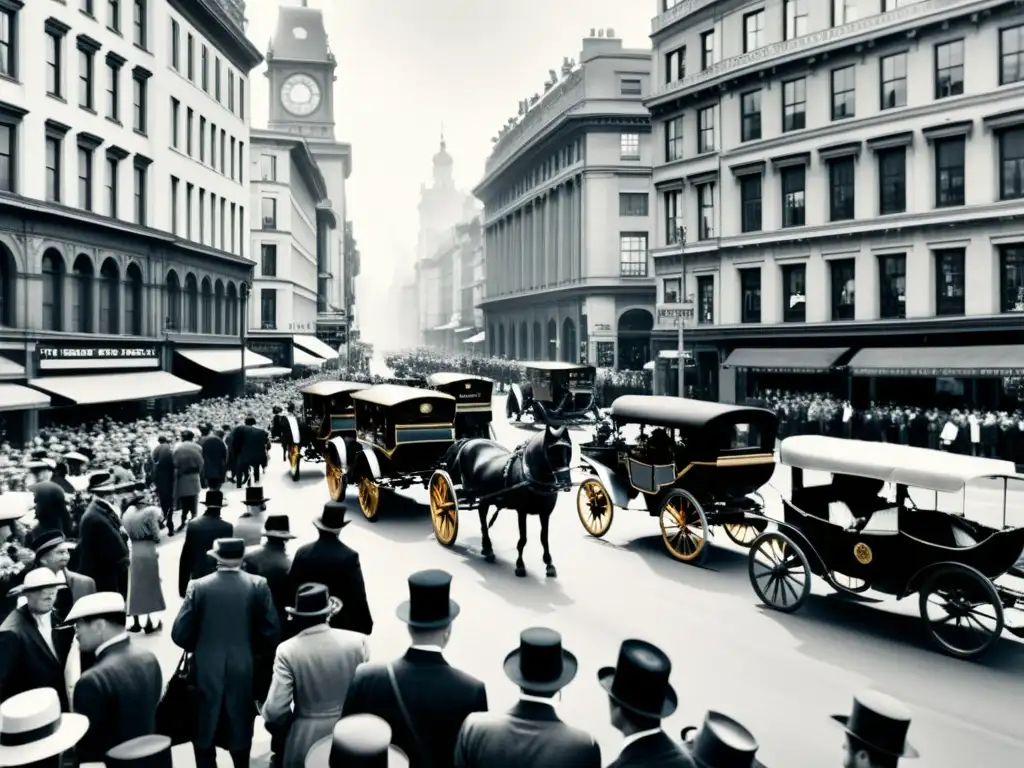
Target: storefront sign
<point>56,357</point>
<point>777,369</point>
<point>967,373</point>
<point>278,350</point>
<point>669,315</point>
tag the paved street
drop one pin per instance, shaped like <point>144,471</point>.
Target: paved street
<point>781,675</point>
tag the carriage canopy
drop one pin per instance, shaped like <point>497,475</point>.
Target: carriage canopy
<point>472,393</point>
<point>328,388</point>
<point>689,415</point>
<point>389,415</point>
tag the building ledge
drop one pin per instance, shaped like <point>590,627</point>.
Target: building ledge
<point>227,34</point>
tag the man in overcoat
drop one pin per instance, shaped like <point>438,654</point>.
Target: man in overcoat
<point>33,647</point>
<point>102,550</point>
<point>251,448</point>
<point>225,617</point>
<point>120,692</point>
<point>51,501</point>
<point>162,478</point>
<point>53,551</point>
<point>437,696</point>
<point>215,458</point>
<point>330,562</point>
<point>188,469</point>
<point>194,562</point>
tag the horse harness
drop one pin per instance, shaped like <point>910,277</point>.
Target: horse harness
<point>528,480</point>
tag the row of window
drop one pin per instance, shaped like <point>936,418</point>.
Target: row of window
<point>226,220</point>
<point>562,158</point>
<point>195,139</point>
<point>112,17</point>
<point>229,92</point>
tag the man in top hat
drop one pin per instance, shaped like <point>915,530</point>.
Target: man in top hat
<point>876,732</point>
<point>120,691</point>
<point>51,502</point>
<point>53,551</point>
<point>640,697</point>
<point>328,561</point>
<point>530,733</point>
<point>250,447</point>
<point>227,618</point>
<point>194,563</point>
<point>215,458</point>
<point>357,741</point>
<point>33,647</point>
<point>249,525</point>
<point>35,731</point>
<point>162,477</point>
<point>312,673</point>
<point>422,697</point>
<point>272,561</point>
<point>102,551</point>
<point>188,470</point>
<point>151,751</point>
<point>279,430</point>
<point>721,742</point>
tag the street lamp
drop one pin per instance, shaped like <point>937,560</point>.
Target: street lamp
<point>243,296</point>
<point>680,324</point>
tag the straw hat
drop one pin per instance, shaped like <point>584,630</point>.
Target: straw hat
<point>32,728</point>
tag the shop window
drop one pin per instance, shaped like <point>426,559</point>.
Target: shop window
<point>794,293</point>
<point>750,291</point>
<point>843,279</point>
<point>949,281</point>
<point>1011,268</point>
<point>892,286</point>
<point>706,299</point>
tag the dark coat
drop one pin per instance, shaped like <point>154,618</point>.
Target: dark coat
<point>26,661</point>
<point>438,697</point>
<point>329,562</point>
<point>163,472</point>
<point>250,446</point>
<point>224,615</point>
<point>102,550</point>
<point>199,537</point>
<point>528,734</point>
<point>188,470</point>
<point>654,751</point>
<point>78,587</point>
<point>119,694</point>
<point>51,507</point>
<point>215,458</point>
<point>272,564</point>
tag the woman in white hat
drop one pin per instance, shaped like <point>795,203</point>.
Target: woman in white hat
<point>33,731</point>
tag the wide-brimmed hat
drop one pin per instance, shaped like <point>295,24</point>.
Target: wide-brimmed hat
<point>99,483</point>
<point>46,540</point>
<point>639,680</point>
<point>540,663</point>
<point>311,600</point>
<point>16,504</point>
<point>96,604</point>
<point>429,605</point>
<point>254,496</point>
<point>277,527</point>
<point>214,500</point>
<point>720,742</point>
<point>879,721</point>
<point>38,578</point>
<point>332,519</point>
<point>75,456</point>
<point>152,751</point>
<point>358,741</point>
<point>228,551</point>
<point>32,728</point>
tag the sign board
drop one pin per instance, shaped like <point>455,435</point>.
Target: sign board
<point>969,373</point>
<point>64,357</point>
<point>278,350</point>
<point>671,314</point>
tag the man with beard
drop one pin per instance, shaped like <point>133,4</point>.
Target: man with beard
<point>102,549</point>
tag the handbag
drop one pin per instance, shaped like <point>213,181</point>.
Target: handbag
<point>176,712</point>
<point>417,741</point>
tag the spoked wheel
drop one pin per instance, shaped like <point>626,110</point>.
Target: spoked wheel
<point>744,533</point>
<point>369,498</point>
<point>961,611</point>
<point>684,527</point>
<point>594,507</point>
<point>850,583</point>
<point>335,481</point>
<point>444,508</point>
<point>779,572</point>
<point>294,459</point>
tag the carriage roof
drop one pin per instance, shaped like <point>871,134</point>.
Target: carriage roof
<point>388,395</point>
<point>890,462</point>
<point>444,379</point>
<point>683,413</point>
<point>555,365</point>
<point>328,388</point>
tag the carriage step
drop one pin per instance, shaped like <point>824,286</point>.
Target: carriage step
<point>853,597</point>
<point>1015,631</point>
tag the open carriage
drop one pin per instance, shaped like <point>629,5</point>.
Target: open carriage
<point>326,432</point>
<point>554,393</point>
<point>893,519</point>
<point>473,410</point>
<point>696,464</point>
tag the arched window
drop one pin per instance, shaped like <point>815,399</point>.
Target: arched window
<point>538,343</point>
<point>173,319</point>
<point>206,299</point>
<point>570,353</point>
<point>231,311</point>
<point>110,297</point>
<point>133,301</point>
<point>191,304</point>
<point>81,295</point>
<point>8,288</point>
<point>218,307</point>
<point>53,291</point>
<point>552,339</point>
<point>501,340</point>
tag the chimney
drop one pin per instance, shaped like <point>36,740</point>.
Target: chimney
<point>602,43</point>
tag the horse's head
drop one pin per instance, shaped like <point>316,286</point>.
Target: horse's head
<point>548,456</point>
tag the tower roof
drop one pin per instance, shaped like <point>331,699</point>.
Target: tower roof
<point>442,158</point>
<point>300,35</point>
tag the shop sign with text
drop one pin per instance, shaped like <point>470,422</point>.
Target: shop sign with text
<point>65,357</point>
<point>966,373</point>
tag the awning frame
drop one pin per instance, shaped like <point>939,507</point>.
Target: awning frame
<point>212,355</point>
<point>17,397</point>
<point>105,384</point>
<point>813,359</point>
<point>994,361</point>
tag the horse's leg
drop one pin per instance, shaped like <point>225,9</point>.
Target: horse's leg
<point>485,548</point>
<point>520,565</point>
<point>545,518</point>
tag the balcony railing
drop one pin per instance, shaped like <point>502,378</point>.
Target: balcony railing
<point>633,269</point>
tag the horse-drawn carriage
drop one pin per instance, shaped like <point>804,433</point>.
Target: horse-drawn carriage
<point>696,464</point>
<point>892,518</point>
<point>473,410</point>
<point>554,393</point>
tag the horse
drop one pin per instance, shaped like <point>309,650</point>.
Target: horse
<point>527,479</point>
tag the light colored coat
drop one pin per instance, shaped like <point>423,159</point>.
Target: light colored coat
<point>188,466</point>
<point>312,673</point>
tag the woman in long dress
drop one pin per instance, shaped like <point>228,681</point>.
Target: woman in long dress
<point>145,594</point>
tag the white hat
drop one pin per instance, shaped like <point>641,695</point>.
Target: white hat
<point>38,578</point>
<point>96,604</point>
<point>32,728</point>
<point>16,504</point>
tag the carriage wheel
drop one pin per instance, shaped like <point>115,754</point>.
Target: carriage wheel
<point>962,612</point>
<point>444,508</point>
<point>369,498</point>
<point>684,527</point>
<point>594,507</point>
<point>335,480</point>
<point>745,533</point>
<point>293,461</point>
<point>849,583</point>
<point>779,572</point>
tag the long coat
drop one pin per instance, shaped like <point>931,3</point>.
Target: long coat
<point>188,468</point>
<point>119,694</point>
<point>655,751</point>
<point>272,563</point>
<point>163,473</point>
<point>438,696</point>
<point>329,562</point>
<point>200,534</point>
<point>51,507</point>
<point>26,661</point>
<point>531,734</point>
<point>145,592</point>
<point>102,551</point>
<point>250,445</point>
<point>249,527</point>
<point>215,458</point>
<point>312,673</point>
<point>223,616</point>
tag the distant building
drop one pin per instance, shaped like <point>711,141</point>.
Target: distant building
<point>568,219</point>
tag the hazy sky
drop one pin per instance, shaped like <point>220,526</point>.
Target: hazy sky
<point>407,66</point>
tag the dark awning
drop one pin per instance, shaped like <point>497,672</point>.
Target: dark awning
<point>795,360</point>
<point>991,360</point>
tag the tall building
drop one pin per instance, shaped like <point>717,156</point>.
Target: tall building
<point>301,73</point>
<point>567,197</point>
<point>850,185</point>
<point>123,202</point>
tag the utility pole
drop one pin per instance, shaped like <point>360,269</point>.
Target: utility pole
<point>243,321</point>
<point>681,317</point>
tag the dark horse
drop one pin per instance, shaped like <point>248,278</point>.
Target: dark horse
<point>527,480</point>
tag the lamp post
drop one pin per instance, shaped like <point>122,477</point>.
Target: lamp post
<point>680,324</point>
<point>243,295</point>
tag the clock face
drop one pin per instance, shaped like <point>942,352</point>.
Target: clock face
<point>300,95</point>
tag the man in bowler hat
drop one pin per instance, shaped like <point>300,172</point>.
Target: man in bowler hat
<point>640,697</point>
<point>423,698</point>
<point>530,733</point>
<point>721,741</point>
<point>358,741</point>
<point>194,562</point>
<point>876,732</point>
